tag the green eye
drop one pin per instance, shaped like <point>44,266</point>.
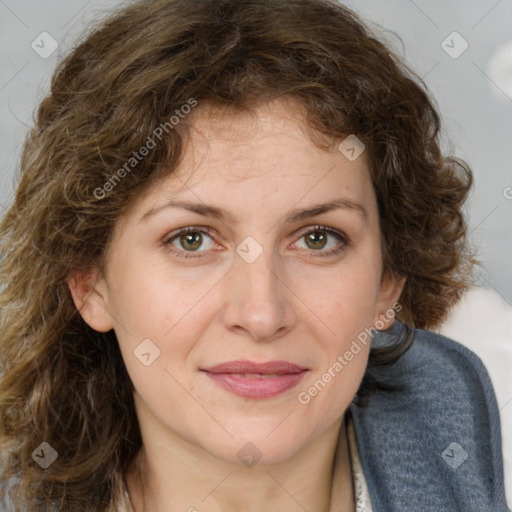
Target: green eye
<point>317,239</point>
<point>189,239</point>
<point>186,242</point>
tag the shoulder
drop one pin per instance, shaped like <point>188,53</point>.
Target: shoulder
<point>434,442</point>
<point>443,372</point>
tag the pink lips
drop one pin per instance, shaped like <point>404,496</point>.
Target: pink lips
<point>256,380</point>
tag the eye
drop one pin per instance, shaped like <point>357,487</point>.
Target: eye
<point>317,238</point>
<point>188,240</point>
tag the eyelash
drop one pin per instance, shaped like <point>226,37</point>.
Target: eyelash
<point>345,242</point>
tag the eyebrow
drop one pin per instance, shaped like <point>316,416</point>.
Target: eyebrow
<point>294,216</point>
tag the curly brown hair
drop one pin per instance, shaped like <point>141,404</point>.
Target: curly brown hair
<point>129,75</point>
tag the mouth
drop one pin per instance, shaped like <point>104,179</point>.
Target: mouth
<point>256,380</point>
<point>251,368</point>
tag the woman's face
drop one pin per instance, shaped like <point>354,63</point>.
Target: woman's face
<point>250,286</point>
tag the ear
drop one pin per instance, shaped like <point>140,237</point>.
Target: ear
<point>390,290</point>
<point>90,297</point>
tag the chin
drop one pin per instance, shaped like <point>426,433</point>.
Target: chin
<point>258,449</point>
<point>263,454</point>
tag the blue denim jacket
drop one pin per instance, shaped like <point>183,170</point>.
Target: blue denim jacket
<point>433,445</point>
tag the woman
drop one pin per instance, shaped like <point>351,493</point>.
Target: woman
<point>222,207</point>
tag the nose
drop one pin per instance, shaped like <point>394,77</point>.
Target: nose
<point>259,301</point>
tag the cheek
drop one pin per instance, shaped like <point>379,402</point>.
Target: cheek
<point>345,298</point>
<point>332,388</point>
<point>151,303</point>
<point>170,310</point>
<point>349,316</point>
<point>342,306</point>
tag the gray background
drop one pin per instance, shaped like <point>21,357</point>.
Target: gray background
<point>475,96</point>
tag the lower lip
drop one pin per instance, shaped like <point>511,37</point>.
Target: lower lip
<point>257,387</point>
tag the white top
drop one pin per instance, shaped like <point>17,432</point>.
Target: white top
<point>361,494</point>
<point>362,497</point>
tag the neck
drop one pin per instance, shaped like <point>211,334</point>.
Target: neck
<point>182,477</point>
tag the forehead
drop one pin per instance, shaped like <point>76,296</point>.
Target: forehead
<point>261,160</point>
<point>271,139</point>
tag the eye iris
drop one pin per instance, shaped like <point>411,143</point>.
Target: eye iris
<point>315,237</point>
<point>189,237</point>
<point>192,240</point>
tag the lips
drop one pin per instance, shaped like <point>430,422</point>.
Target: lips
<point>256,380</point>
<point>249,367</point>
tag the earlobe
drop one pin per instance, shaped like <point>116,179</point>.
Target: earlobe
<point>389,295</point>
<point>91,300</point>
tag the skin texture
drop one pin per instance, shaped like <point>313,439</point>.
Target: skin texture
<point>289,304</point>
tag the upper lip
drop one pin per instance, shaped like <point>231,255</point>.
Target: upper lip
<point>268,368</point>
